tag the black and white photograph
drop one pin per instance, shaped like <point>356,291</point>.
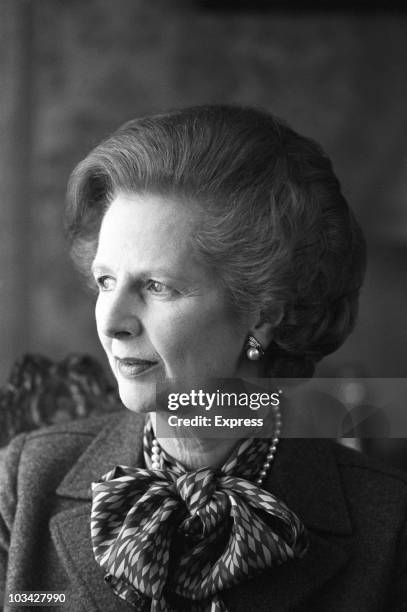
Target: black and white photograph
<point>203,313</point>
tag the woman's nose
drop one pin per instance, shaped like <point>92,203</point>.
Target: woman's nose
<point>119,317</point>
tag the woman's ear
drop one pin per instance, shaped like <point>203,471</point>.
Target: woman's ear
<point>263,328</point>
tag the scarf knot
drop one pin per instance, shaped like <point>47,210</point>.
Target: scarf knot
<point>197,488</point>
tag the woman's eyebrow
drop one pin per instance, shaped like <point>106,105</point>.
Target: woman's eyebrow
<point>165,272</point>
<point>97,266</point>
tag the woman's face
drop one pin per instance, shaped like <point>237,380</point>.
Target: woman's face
<point>160,313</point>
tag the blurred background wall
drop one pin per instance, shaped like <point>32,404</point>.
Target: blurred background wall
<point>72,71</point>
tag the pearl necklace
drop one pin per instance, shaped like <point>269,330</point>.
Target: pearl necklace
<point>273,445</point>
<point>156,459</point>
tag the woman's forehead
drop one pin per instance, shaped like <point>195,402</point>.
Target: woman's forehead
<point>149,230</point>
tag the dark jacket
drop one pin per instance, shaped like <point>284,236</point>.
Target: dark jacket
<point>355,512</point>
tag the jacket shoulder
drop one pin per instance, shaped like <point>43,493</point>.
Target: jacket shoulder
<point>89,426</point>
<point>67,440</point>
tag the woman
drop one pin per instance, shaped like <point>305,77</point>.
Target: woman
<point>221,247</point>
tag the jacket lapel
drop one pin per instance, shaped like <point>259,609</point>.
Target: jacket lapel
<point>304,476</point>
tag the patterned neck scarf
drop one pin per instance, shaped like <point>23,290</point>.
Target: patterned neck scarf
<point>180,538</point>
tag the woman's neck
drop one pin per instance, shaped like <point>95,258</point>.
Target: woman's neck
<point>194,452</point>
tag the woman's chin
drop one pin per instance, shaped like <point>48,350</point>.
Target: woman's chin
<point>138,398</point>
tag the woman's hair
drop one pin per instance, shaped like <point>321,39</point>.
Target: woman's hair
<point>276,226</point>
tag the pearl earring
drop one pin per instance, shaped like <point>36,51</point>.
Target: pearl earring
<point>254,350</point>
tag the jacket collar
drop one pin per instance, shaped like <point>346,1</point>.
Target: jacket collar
<point>304,476</point>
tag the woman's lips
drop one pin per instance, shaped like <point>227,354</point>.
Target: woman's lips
<point>130,367</point>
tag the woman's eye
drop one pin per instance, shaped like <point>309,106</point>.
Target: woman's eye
<point>158,288</point>
<point>105,283</point>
